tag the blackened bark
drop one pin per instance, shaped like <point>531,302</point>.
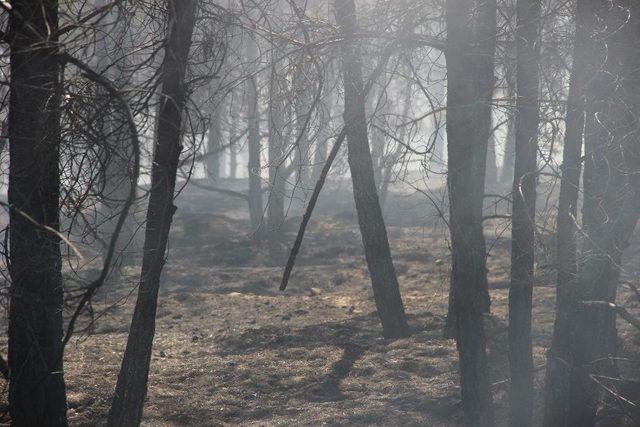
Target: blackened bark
<point>610,209</point>
<point>523,215</point>
<point>558,368</point>
<point>131,387</point>
<point>471,29</point>
<point>36,385</point>
<point>374,234</point>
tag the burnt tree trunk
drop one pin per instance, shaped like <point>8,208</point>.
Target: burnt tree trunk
<point>558,370</point>
<point>374,234</point>
<point>131,387</point>
<point>610,208</point>
<point>523,214</point>
<point>471,29</point>
<point>36,384</point>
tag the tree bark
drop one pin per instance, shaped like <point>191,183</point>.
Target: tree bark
<point>558,370</point>
<point>214,143</point>
<point>374,234</point>
<point>277,178</point>
<point>131,387</point>
<point>610,207</point>
<point>233,135</point>
<point>471,29</point>
<point>36,385</point>
<point>254,165</point>
<point>523,214</point>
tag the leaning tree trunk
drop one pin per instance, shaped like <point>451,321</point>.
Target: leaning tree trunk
<point>131,387</point>
<point>469,91</point>
<point>374,234</point>
<point>558,371</point>
<point>523,215</point>
<point>36,383</point>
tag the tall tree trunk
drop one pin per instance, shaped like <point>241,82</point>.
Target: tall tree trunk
<point>558,370</point>
<point>214,143</point>
<point>610,208</point>
<point>508,164</point>
<point>374,234</point>
<point>131,387</point>
<point>36,383</point>
<point>524,210</point>
<point>277,178</point>
<point>324,133</point>
<point>469,91</point>
<point>302,107</point>
<point>254,165</point>
<point>491,177</point>
<point>233,136</point>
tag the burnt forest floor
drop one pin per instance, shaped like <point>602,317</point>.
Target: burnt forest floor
<point>232,349</point>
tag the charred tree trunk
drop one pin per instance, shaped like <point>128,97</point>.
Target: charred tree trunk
<point>610,207</point>
<point>558,370</point>
<point>471,29</point>
<point>131,387</point>
<point>36,384</point>
<point>524,210</point>
<point>374,234</point>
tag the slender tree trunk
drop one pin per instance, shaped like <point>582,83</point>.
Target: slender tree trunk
<point>491,177</point>
<point>275,208</point>
<point>374,234</point>
<point>131,387</point>
<point>36,384</point>
<point>558,370</point>
<point>214,143</point>
<point>524,210</point>
<point>233,136</point>
<point>254,166</point>
<point>324,133</point>
<point>508,164</point>
<point>470,86</point>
